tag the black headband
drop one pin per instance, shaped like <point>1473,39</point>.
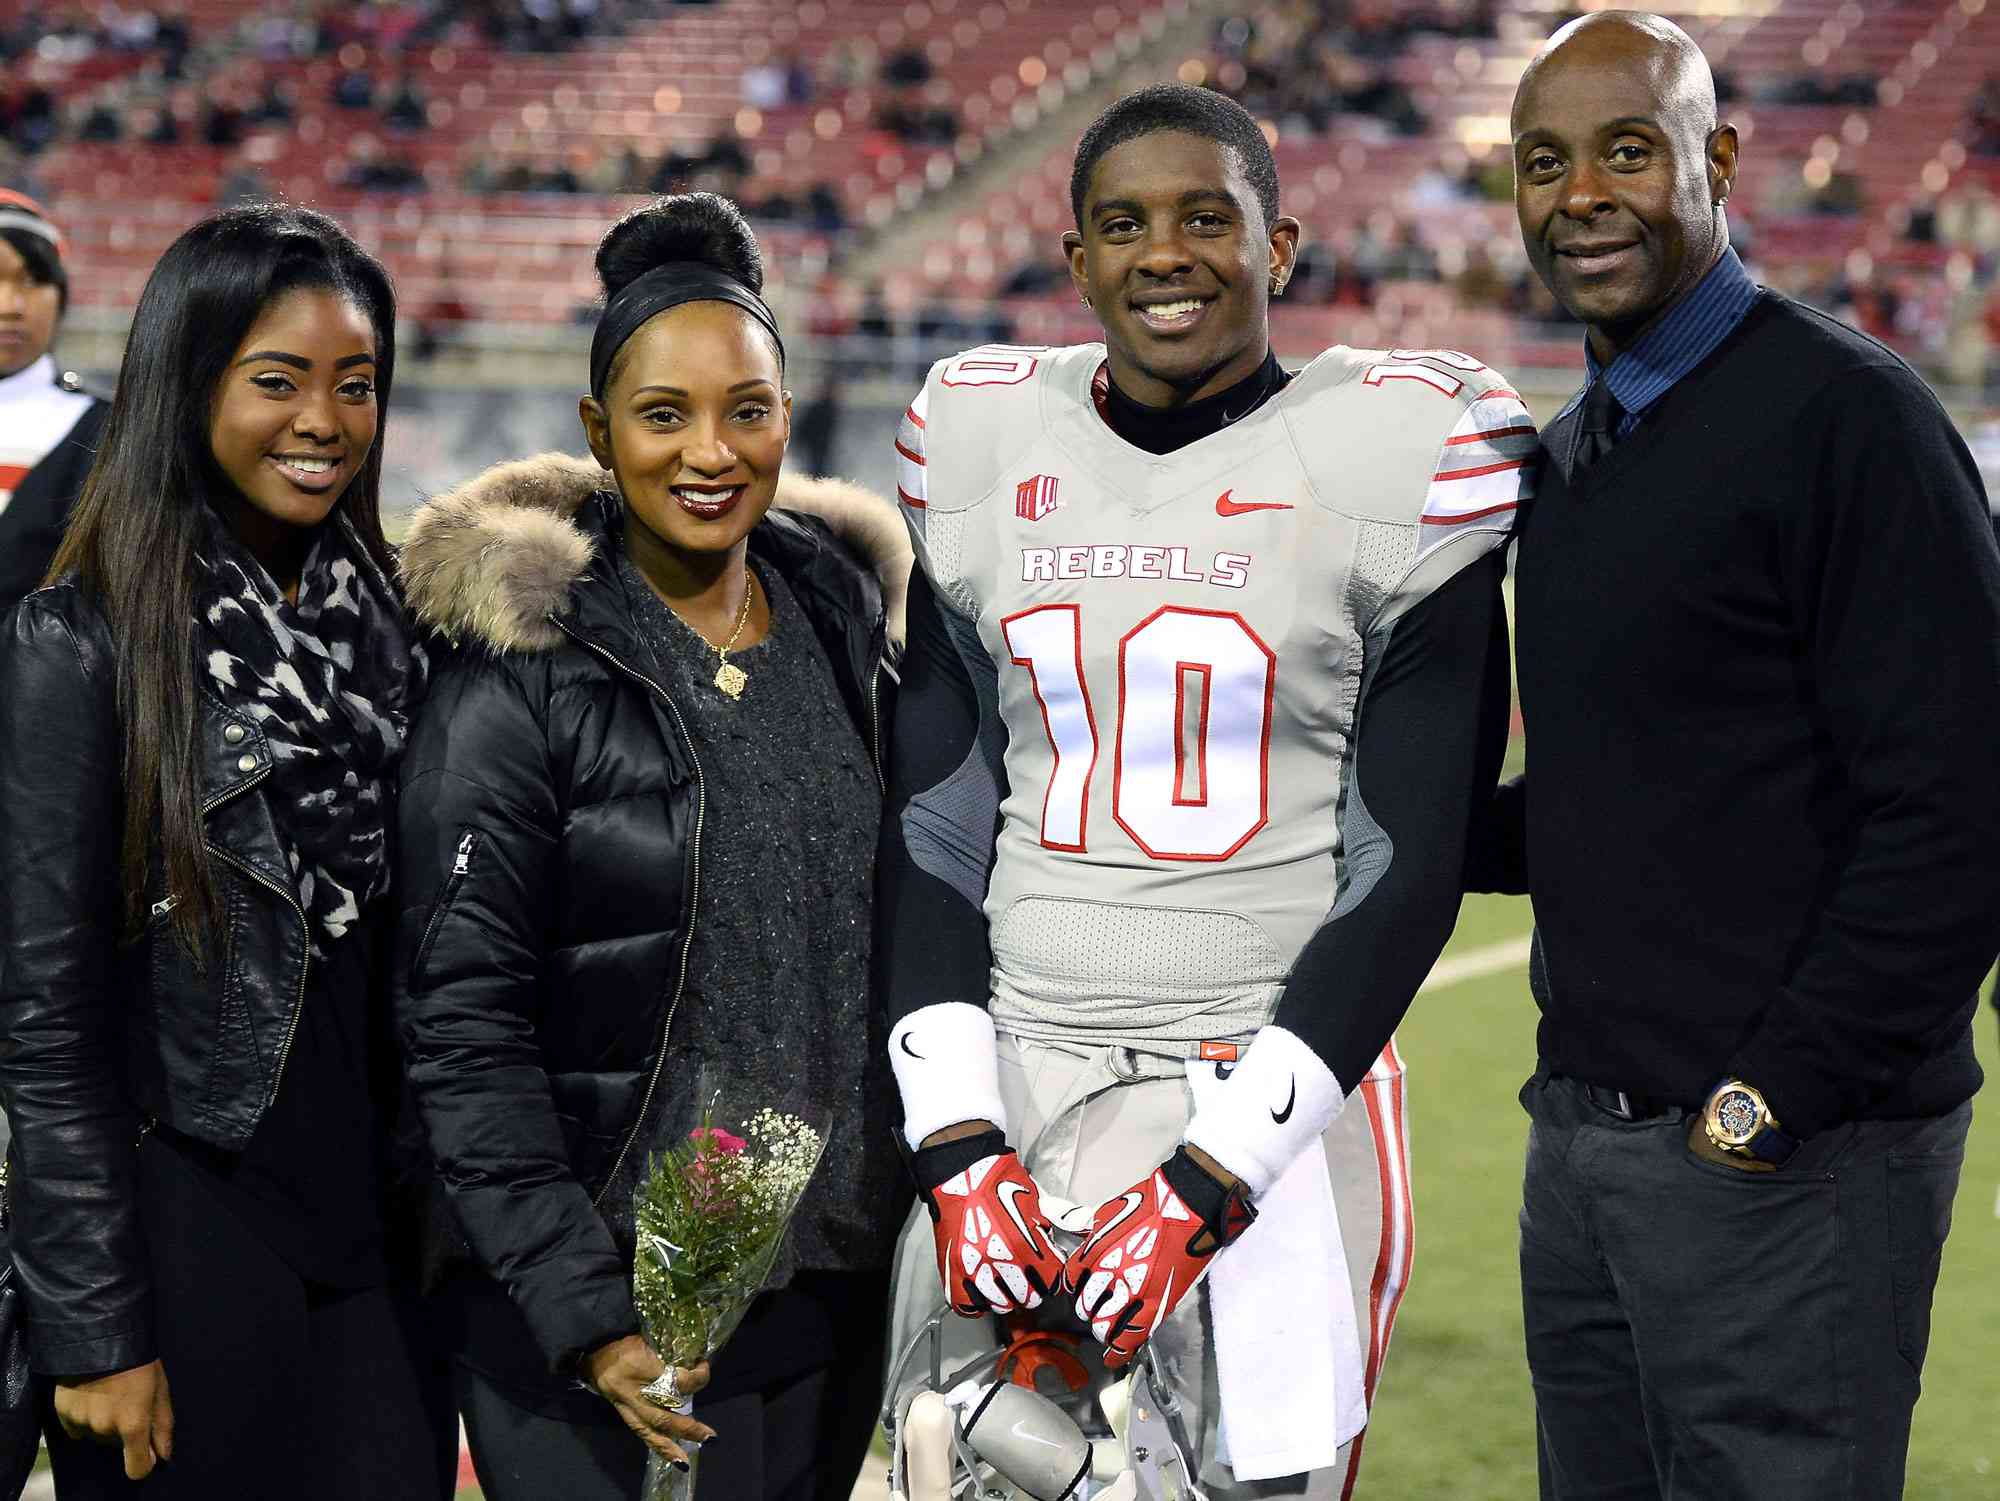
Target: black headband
<point>664,287</point>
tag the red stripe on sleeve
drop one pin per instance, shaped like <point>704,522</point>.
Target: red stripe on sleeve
<point>1525,430</point>
<point>914,458</point>
<point>1451,474</point>
<point>1465,516</point>
<point>909,499</point>
<point>911,413</point>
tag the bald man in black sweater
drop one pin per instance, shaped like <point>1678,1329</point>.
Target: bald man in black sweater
<point>1758,605</point>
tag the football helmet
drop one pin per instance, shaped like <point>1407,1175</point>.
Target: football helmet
<point>1028,1410</point>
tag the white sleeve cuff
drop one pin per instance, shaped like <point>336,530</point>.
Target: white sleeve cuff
<point>947,1066</point>
<point>1273,1106</point>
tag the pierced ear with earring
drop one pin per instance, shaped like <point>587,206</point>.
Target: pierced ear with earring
<point>1277,286</point>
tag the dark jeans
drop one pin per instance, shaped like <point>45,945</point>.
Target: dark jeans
<point>799,1436</point>
<point>279,1388</point>
<point>1700,1333</point>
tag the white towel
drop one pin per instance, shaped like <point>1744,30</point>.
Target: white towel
<point>1287,1350</point>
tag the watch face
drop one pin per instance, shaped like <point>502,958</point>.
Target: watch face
<point>1736,1115</point>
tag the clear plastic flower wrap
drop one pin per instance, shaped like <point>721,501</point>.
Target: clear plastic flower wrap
<point>709,1217</point>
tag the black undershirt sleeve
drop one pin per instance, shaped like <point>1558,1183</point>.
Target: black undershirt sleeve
<point>931,940</point>
<point>1431,733</point>
<point>1496,854</point>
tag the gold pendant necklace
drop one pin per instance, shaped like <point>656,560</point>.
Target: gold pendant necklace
<point>728,676</point>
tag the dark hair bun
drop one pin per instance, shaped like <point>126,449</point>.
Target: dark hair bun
<point>702,227</point>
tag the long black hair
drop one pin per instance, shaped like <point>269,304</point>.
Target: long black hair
<point>131,542</point>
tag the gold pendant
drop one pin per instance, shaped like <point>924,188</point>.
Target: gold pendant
<point>730,679</point>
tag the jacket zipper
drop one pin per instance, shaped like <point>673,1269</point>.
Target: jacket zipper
<point>290,899</point>
<point>875,724</point>
<point>693,905</point>
<point>305,959</point>
<point>165,905</point>
<point>461,863</point>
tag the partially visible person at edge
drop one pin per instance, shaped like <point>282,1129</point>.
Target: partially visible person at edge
<point>49,424</point>
<point>200,720</point>
<point>639,819</point>
<point>1758,600</point>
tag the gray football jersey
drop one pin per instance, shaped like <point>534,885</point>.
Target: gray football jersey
<point>1177,646</point>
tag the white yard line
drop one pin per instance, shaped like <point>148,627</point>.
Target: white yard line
<point>1475,964</point>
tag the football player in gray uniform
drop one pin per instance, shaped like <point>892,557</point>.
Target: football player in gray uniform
<point>1207,667</point>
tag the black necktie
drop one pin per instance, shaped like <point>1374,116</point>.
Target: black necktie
<point>1599,427</point>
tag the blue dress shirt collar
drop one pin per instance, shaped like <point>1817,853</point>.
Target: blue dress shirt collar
<point>1685,336</point>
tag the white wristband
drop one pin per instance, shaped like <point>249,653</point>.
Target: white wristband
<point>1273,1106</point>
<point>948,1068</point>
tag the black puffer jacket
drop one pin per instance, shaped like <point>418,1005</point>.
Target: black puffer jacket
<point>552,812</point>
<point>96,1034</point>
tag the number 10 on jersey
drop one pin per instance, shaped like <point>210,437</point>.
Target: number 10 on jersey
<point>1191,755</point>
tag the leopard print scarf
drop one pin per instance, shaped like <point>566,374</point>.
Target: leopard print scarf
<point>331,681</point>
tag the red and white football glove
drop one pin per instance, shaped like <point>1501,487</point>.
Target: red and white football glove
<point>1148,1248</point>
<point>993,1247</point>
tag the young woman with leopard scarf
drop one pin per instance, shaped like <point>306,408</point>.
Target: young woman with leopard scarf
<point>201,717</point>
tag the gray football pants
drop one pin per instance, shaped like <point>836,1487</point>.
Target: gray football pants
<point>1096,1120</point>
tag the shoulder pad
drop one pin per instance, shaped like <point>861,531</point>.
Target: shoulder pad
<point>980,409</point>
<point>1390,434</point>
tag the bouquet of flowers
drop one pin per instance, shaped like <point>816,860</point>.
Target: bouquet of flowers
<point>710,1216</point>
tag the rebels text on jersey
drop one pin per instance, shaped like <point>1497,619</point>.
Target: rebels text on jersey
<point>1179,646</point>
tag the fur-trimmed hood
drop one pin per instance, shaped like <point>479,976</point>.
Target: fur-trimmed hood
<point>495,559</point>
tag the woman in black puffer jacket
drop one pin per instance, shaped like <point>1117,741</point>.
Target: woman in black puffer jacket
<point>638,826</point>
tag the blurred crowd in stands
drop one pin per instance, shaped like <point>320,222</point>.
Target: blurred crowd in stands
<point>169,91</point>
<point>1311,67</point>
<point>1983,124</point>
<point>1301,62</point>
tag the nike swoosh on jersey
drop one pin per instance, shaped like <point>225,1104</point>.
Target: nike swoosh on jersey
<point>1133,1199</point>
<point>1281,1116</point>
<point>1008,1193</point>
<point>1224,506</point>
<point>905,1040</point>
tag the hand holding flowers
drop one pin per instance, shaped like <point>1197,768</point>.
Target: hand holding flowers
<point>709,1217</point>
<point>620,1371</point>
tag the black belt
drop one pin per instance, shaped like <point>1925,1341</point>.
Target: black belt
<point>1630,1107</point>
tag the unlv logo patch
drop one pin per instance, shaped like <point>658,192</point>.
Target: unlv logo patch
<point>1035,497</point>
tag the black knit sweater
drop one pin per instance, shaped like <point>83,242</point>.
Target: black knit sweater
<point>776,1009</point>
<point>1759,651</point>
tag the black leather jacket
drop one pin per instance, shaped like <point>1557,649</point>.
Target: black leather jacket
<point>98,1035</point>
<point>551,826</point>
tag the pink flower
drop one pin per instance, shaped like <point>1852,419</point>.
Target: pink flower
<point>724,1144</point>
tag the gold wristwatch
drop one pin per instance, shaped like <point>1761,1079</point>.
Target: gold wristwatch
<point>1739,1122</point>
